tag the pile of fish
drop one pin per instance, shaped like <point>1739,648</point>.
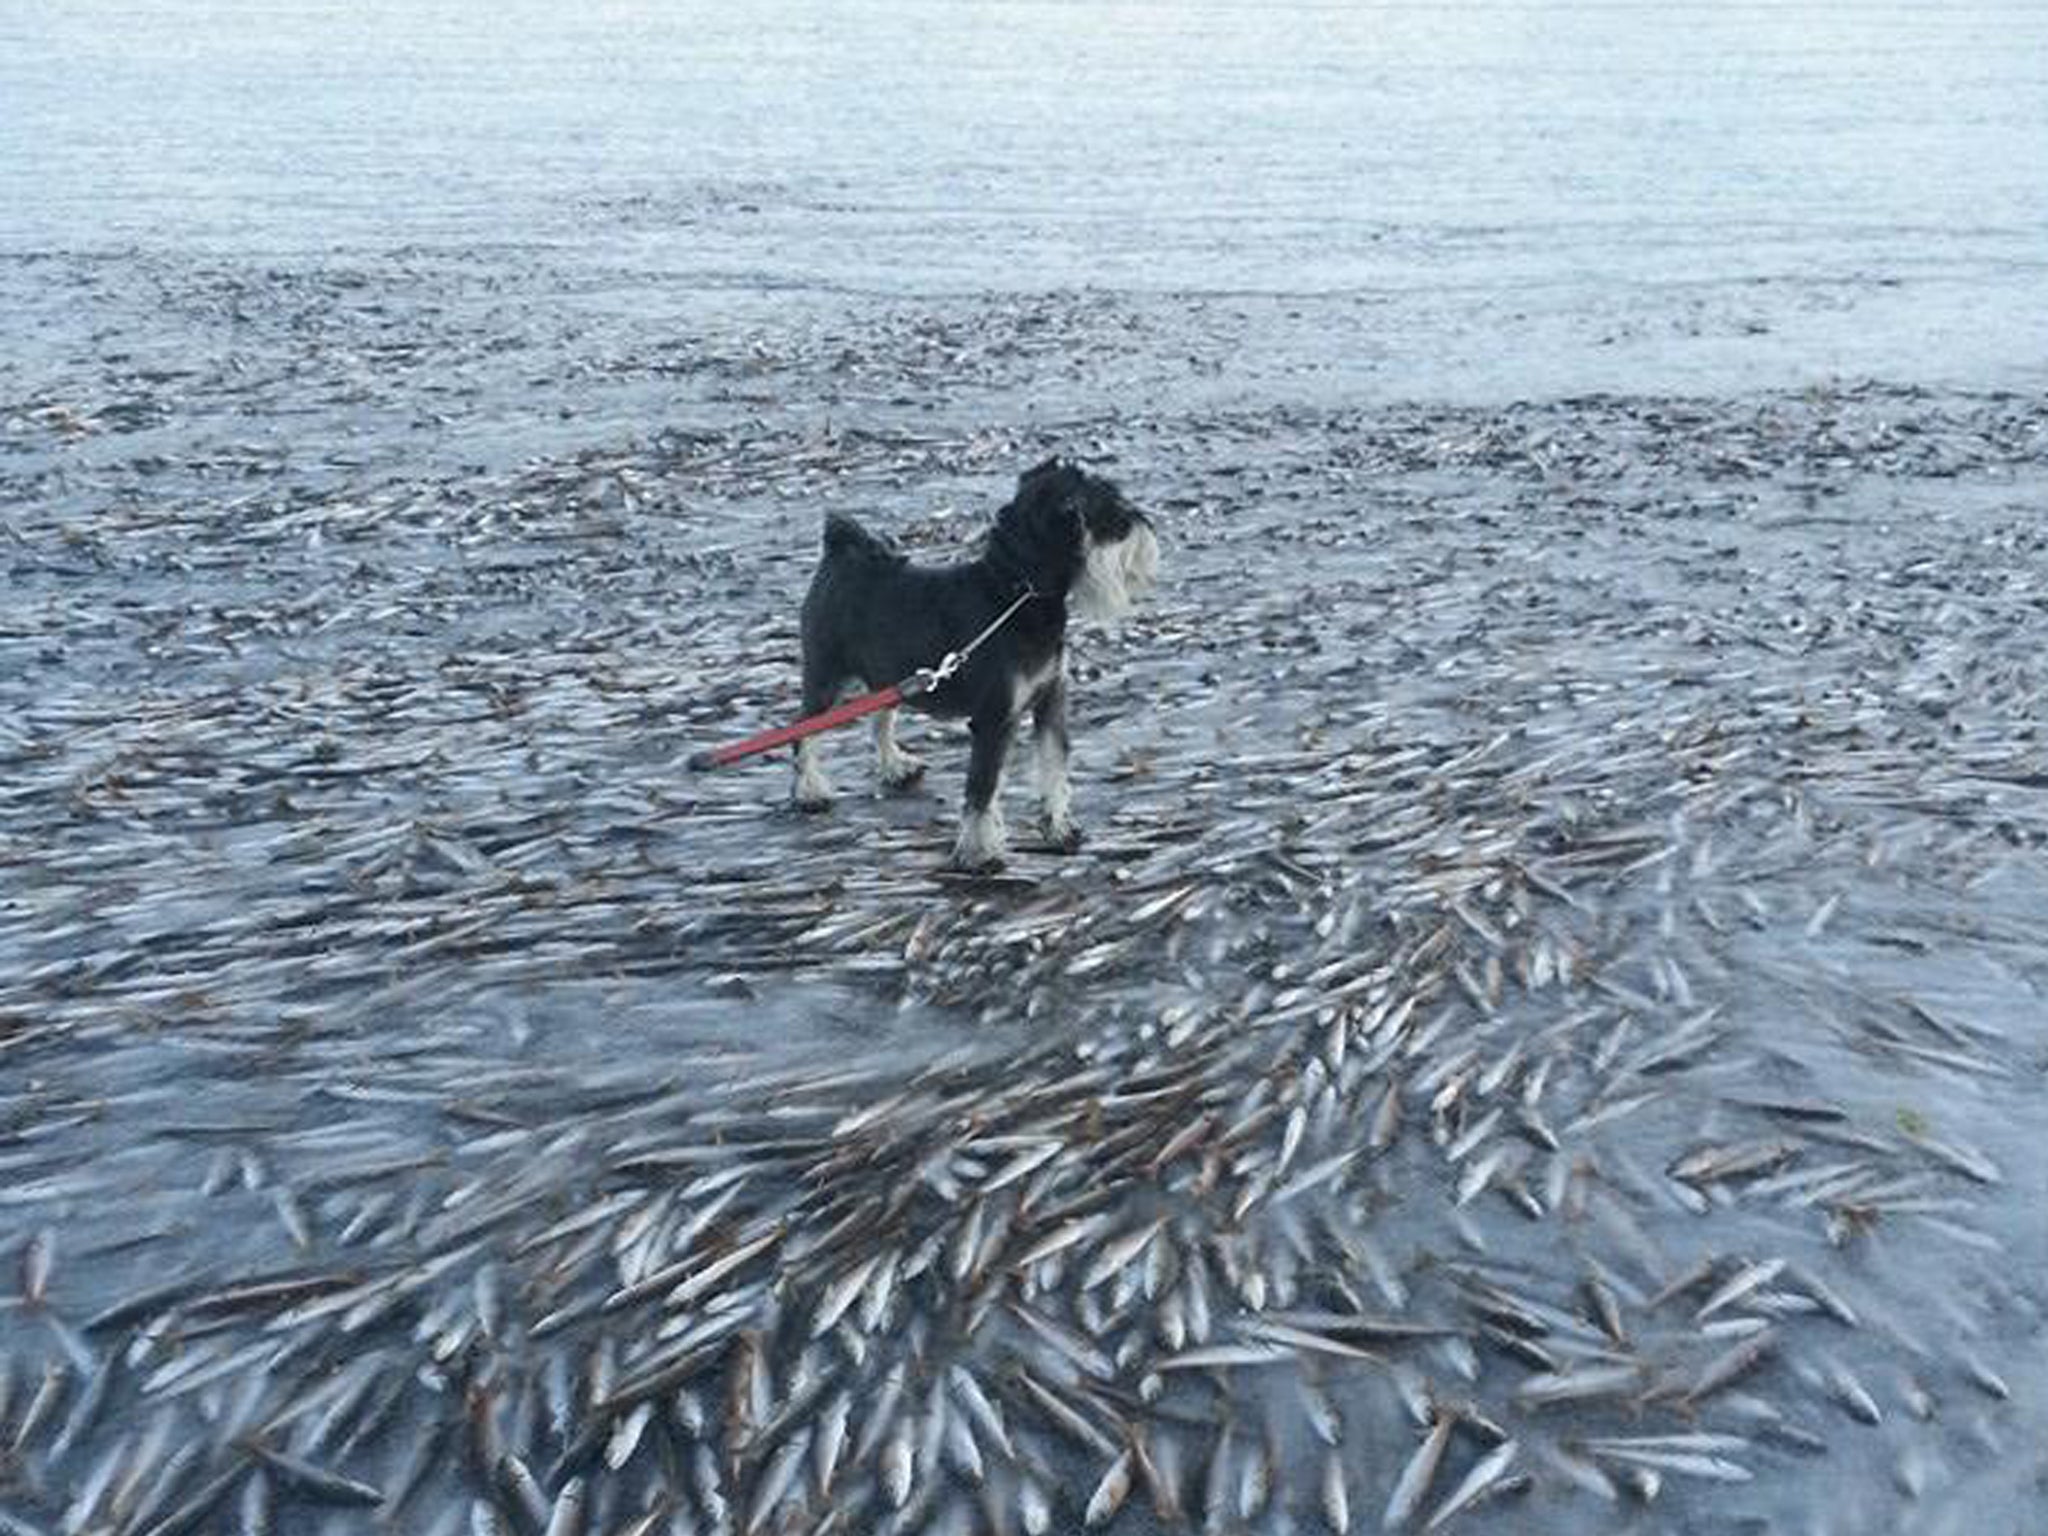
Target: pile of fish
<point>1542,1035</point>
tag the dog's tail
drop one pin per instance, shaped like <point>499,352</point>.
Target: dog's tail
<point>846,539</point>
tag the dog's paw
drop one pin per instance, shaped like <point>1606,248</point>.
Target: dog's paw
<point>811,804</point>
<point>902,776</point>
<point>982,843</point>
<point>1066,836</point>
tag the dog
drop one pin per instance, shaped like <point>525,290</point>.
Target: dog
<point>1069,545</point>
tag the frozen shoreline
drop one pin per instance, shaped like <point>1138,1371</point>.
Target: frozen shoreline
<point>356,881</point>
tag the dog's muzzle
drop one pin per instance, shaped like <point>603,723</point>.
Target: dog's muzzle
<point>1117,574</point>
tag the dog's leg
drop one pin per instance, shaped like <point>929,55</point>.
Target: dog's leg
<point>982,835</point>
<point>1049,743</point>
<point>812,790</point>
<point>899,769</point>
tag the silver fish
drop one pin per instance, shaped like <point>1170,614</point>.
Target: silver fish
<point>1110,1490</point>
<point>1336,1495</point>
<point>1487,1472</point>
<point>1416,1475</point>
<point>780,1478</point>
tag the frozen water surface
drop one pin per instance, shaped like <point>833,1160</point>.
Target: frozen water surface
<point>1485,199</point>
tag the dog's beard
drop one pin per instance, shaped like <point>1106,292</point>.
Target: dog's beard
<point>1116,576</point>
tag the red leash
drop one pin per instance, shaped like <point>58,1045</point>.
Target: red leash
<point>921,682</point>
<point>782,735</point>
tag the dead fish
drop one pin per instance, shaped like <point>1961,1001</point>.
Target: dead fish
<point>1486,1474</point>
<point>1582,1473</point>
<point>897,1466</point>
<point>981,1409</point>
<point>1314,1176</point>
<point>194,1511</point>
<point>38,1258</point>
<point>566,1518</point>
<point>1320,1412</point>
<point>292,1216</point>
<point>1960,1157</point>
<point>841,1293</point>
<point>1183,1140</point>
<point>1216,1481</point>
<point>522,1489</point>
<point>962,1450</point>
<point>1695,1274</point>
<point>1684,1463</point>
<point>84,1409</point>
<point>1385,1124</point>
<point>1817,924</point>
<point>779,1479</point>
<point>1730,1365</point>
<point>1026,1162</point>
<point>1985,1379</point>
<point>1473,1135</point>
<point>716,1271</point>
<point>1033,1508</point>
<point>253,1513</point>
<point>1305,1338</point>
<point>1412,1486</point>
<point>1118,1254</point>
<point>1290,1139</point>
<point>1612,1110</point>
<point>1606,1307</point>
<point>1065,1341</point>
<point>1731,1160</point>
<point>967,1242</point>
<point>1828,1299</point>
<point>626,1435</point>
<point>1254,1480</point>
<point>1110,1491</point>
<point>41,1405</point>
<point>318,1483</point>
<point>1065,1415</point>
<point>708,1486</point>
<point>1224,1357</point>
<point>1846,1389</point>
<point>1646,1483</point>
<point>85,1503</point>
<point>1336,1495</point>
<point>1579,1384</point>
<point>831,1441</point>
<point>1741,1284</point>
<point>1079,1230</point>
<point>1480,1176</point>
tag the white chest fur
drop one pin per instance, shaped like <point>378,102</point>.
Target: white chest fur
<point>1029,685</point>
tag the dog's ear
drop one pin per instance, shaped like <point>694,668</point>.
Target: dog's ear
<point>1055,487</point>
<point>1040,534</point>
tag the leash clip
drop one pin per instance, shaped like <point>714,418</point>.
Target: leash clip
<point>926,679</point>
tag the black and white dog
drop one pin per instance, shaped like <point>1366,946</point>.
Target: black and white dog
<point>871,618</point>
